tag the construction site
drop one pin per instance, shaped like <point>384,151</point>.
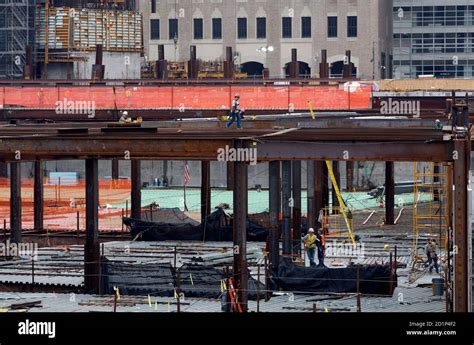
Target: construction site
<point>123,188</point>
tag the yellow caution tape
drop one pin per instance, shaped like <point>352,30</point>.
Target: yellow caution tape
<point>117,292</point>
<point>326,310</point>
<point>149,300</point>
<point>310,107</point>
<point>191,277</point>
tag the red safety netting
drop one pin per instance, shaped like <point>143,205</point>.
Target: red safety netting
<point>269,97</point>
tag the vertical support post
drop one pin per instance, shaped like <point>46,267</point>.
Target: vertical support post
<point>274,195</point>
<point>320,188</point>
<point>161,68</point>
<point>286,209</point>
<point>348,66</point>
<point>38,195</point>
<point>28,72</point>
<point>136,207</point>
<point>310,193</point>
<point>325,184</point>
<point>240,270</point>
<point>115,169</point>
<point>349,176</point>
<point>91,248</point>
<point>193,64</point>
<point>230,175</point>
<point>205,190</point>
<point>296,177</point>
<point>323,65</point>
<point>15,202</point>
<point>337,175</point>
<point>462,263</point>
<point>98,69</point>
<point>229,64</point>
<point>389,193</point>
<point>294,65</point>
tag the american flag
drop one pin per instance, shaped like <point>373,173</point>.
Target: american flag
<point>187,177</point>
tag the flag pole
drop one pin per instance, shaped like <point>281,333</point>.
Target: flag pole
<point>185,206</point>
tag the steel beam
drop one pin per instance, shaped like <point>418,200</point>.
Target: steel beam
<point>286,207</point>
<point>15,202</point>
<point>240,269</point>
<point>337,175</point>
<point>205,190</point>
<point>38,195</point>
<point>310,193</point>
<point>136,176</point>
<point>275,210</point>
<point>91,248</point>
<point>462,267</point>
<point>296,179</point>
<point>115,169</point>
<point>390,193</point>
<point>349,176</point>
<point>323,179</point>
<point>230,175</point>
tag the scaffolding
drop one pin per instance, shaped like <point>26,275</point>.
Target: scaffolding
<point>16,33</point>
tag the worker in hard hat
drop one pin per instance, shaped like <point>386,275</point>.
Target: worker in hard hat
<point>236,113</point>
<point>431,250</point>
<point>310,246</point>
<point>321,245</point>
<point>125,118</point>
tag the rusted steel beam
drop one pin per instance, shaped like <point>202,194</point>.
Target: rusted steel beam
<point>323,180</point>
<point>240,268</point>
<point>115,169</point>
<point>38,195</point>
<point>275,210</point>
<point>91,248</point>
<point>15,202</point>
<point>286,206</point>
<point>136,176</point>
<point>311,193</point>
<point>230,175</point>
<point>337,175</point>
<point>205,190</point>
<point>462,263</point>
<point>359,151</point>
<point>390,193</point>
<point>229,64</point>
<point>98,69</point>
<point>193,64</point>
<point>323,65</point>
<point>349,176</point>
<point>296,179</point>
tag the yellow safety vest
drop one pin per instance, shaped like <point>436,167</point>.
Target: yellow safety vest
<point>310,241</point>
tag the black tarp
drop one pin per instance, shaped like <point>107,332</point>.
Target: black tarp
<point>217,227</point>
<point>374,279</point>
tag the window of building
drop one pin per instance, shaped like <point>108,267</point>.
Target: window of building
<point>198,28</point>
<point>261,27</point>
<point>305,27</point>
<point>352,26</point>
<point>173,28</point>
<point>217,28</point>
<point>241,28</point>
<point>332,26</point>
<point>286,27</point>
<point>153,6</point>
<point>154,29</point>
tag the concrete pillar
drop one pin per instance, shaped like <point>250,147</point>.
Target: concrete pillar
<point>274,194</point>
<point>15,202</point>
<point>136,207</point>
<point>91,248</point>
<point>39,195</point>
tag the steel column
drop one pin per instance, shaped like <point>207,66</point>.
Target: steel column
<point>91,248</point>
<point>389,193</point>
<point>337,175</point>
<point>136,207</point>
<point>462,265</point>
<point>115,169</point>
<point>324,184</point>
<point>240,269</point>
<point>274,195</point>
<point>230,175</point>
<point>296,178</point>
<point>286,208</point>
<point>310,193</point>
<point>15,202</point>
<point>205,190</point>
<point>38,195</point>
<point>349,176</point>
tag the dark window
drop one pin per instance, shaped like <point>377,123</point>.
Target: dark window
<point>306,27</point>
<point>261,27</point>
<point>154,29</point>
<point>153,6</point>
<point>173,28</point>
<point>332,26</point>
<point>286,27</point>
<point>217,28</point>
<point>198,29</point>
<point>241,27</point>
<point>352,26</point>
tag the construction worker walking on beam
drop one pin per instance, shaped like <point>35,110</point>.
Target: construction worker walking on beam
<point>310,246</point>
<point>236,114</point>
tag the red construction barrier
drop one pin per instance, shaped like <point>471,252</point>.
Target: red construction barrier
<point>144,97</point>
<point>30,97</point>
<point>102,96</point>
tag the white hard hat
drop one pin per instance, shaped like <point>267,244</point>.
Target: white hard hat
<point>311,230</point>
<point>125,112</point>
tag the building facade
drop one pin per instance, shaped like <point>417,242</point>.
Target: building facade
<point>252,26</point>
<point>433,37</point>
